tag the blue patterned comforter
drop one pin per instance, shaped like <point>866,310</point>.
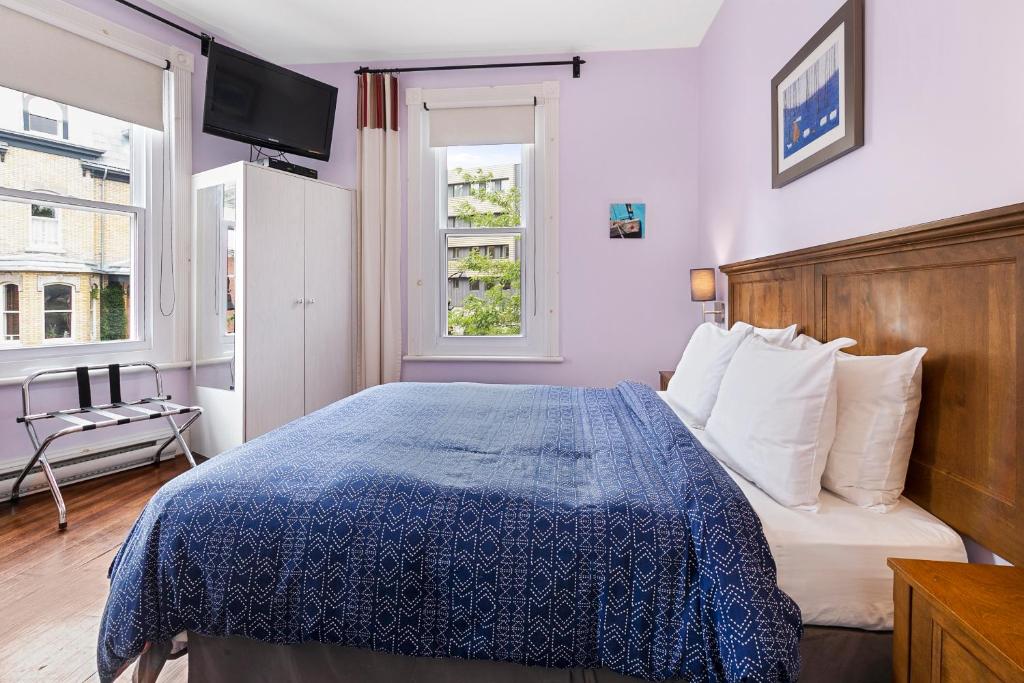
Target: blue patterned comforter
<point>543,525</point>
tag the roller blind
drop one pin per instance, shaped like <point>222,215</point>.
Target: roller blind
<point>482,126</point>
<point>48,61</point>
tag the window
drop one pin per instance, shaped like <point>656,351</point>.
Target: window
<point>12,320</point>
<point>483,250</point>
<point>481,225</point>
<point>57,303</point>
<point>94,186</point>
<point>86,207</point>
<point>45,229</point>
<point>459,189</point>
<point>43,116</point>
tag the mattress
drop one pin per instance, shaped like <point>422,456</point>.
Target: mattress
<point>833,562</point>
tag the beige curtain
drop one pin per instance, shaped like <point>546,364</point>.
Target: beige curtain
<point>378,233</point>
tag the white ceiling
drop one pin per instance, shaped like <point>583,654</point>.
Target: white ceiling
<point>312,31</point>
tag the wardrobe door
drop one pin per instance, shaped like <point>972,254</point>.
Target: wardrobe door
<point>329,278</point>
<point>274,308</point>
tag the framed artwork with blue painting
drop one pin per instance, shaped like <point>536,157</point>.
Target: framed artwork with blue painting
<point>818,98</point>
<point>627,220</point>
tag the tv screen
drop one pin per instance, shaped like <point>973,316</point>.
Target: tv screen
<point>254,101</point>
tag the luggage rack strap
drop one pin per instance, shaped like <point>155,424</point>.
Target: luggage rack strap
<point>78,422</point>
<point>114,420</point>
<point>75,411</point>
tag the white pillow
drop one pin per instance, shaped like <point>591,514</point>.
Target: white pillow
<point>775,417</point>
<point>879,399</point>
<point>694,386</point>
<point>780,337</point>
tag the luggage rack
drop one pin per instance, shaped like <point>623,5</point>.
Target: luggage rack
<point>151,408</point>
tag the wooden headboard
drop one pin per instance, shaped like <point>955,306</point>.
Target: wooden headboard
<point>955,286</point>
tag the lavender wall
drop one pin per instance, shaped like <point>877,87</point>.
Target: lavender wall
<point>943,123</point>
<point>628,133</point>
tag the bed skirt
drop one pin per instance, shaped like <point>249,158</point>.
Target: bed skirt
<point>829,654</point>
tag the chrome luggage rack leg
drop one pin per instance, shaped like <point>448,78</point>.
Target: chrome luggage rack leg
<point>143,409</point>
<point>177,436</point>
<point>51,479</point>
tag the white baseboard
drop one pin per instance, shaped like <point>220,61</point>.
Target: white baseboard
<point>95,460</point>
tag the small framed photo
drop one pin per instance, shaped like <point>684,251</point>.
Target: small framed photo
<point>818,98</point>
<point>627,221</point>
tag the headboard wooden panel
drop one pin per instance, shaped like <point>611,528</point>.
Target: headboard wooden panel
<point>955,286</point>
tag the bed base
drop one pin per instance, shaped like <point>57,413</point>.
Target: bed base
<point>829,654</point>
<point>151,408</point>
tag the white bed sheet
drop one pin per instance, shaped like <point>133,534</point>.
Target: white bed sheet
<point>832,562</point>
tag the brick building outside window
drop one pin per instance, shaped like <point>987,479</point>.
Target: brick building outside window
<point>65,271</point>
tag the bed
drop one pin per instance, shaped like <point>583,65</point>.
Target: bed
<point>539,526</point>
<point>831,562</point>
<point>952,286</point>
<point>202,538</point>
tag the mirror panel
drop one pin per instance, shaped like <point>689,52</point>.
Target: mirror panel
<point>216,241</point>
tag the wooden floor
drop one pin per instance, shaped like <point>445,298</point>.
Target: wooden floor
<point>53,585</point>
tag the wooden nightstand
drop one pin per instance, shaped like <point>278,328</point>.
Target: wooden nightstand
<point>665,375</point>
<point>957,622</point>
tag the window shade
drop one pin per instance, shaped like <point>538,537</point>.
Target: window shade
<point>481,126</point>
<point>48,61</point>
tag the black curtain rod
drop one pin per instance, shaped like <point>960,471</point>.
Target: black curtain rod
<point>575,62</point>
<point>204,38</point>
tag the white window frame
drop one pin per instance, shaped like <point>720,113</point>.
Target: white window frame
<point>165,161</point>
<point>72,311</point>
<point>4,284</point>
<point>38,224</point>
<point>28,113</point>
<point>427,262</point>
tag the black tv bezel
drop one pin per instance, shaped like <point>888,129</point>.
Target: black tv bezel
<point>217,49</point>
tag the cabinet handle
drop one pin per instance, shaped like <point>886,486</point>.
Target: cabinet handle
<point>299,300</point>
<point>311,301</point>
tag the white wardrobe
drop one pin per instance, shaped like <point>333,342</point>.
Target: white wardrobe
<point>272,302</point>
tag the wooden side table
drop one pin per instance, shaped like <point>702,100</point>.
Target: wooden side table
<point>957,622</point>
<point>665,376</point>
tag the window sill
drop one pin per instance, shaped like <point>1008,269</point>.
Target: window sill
<point>485,359</point>
<point>18,362</point>
<point>9,381</point>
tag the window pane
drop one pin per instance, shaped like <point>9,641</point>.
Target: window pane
<point>10,327</point>
<point>58,325</point>
<point>80,289</point>
<point>57,297</point>
<point>9,331</point>
<point>41,124</point>
<point>483,186</point>
<point>11,299</point>
<point>63,150</point>
<point>484,285</point>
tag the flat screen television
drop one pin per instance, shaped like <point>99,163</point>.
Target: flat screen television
<point>253,101</point>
